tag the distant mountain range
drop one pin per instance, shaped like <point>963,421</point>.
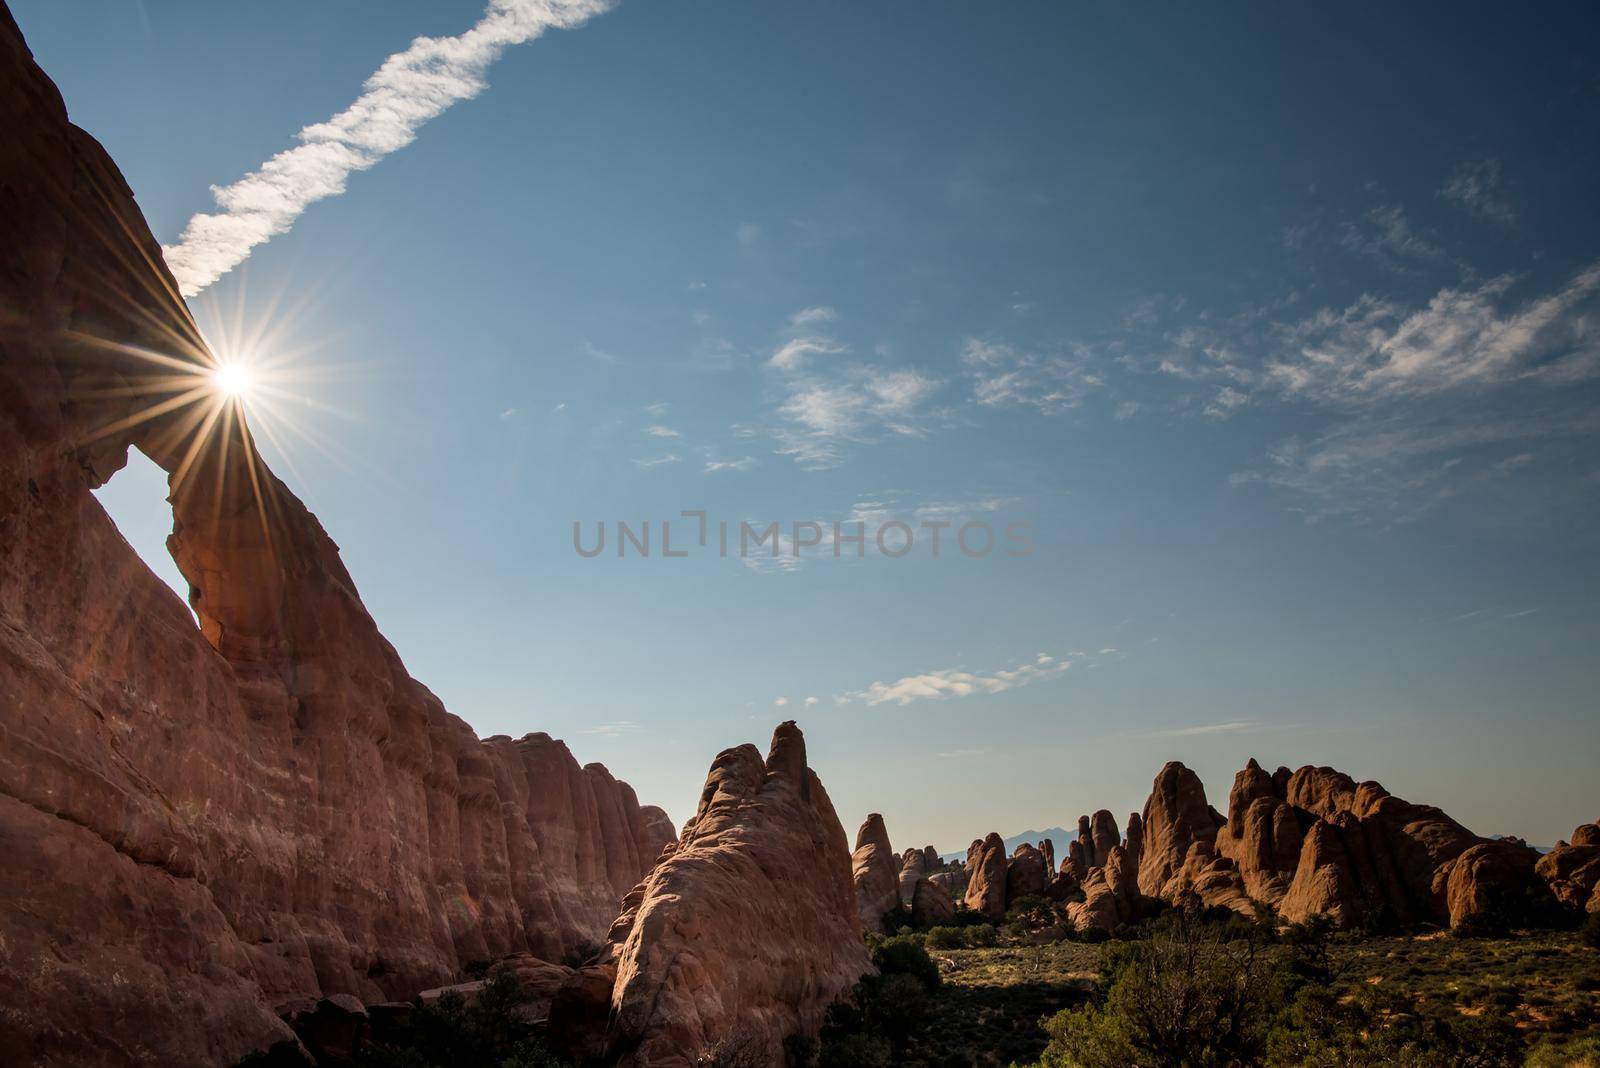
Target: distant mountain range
<point>1057,835</point>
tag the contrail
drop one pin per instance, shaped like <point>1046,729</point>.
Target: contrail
<point>410,88</point>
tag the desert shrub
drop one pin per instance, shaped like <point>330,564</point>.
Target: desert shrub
<point>738,1051</point>
<point>1182,996</point>
<point>285,1054</point>
<point>1590,931</point>
<point>455,1033</point>
<point>906,956</point>
<point>1093,935</point>
<point>856,1050</point>
<point>582,954</point>
<point>801,1051</point>
<point>946,938</point>
<point>1031,912</point>
<point>980,935</point>
<point>1573,1053</point>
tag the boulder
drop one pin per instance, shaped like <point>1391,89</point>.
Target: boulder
<point>931,904</point>
<point>1111,895</point>
<point>1027,874</point>
<point>913,866</point>
<point>1572,869</point>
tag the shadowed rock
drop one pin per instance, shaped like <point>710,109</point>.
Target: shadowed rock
<point>203,826</point>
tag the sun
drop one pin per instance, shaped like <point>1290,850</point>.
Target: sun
<point>233,380</point>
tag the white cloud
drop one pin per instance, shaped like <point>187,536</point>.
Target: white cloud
<point>780,702</point>
<point>661,432</point>
<point>407,90</point>
<point>509,414</point>
<point>657,461</point>
<point>810,701</point>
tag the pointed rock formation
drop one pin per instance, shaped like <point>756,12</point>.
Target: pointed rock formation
<point>1103,831</point>
<point>1048,848</point>
<point>205,825</point>
<point>1175,817</point>
<point>1085,844</point>
<point>930,859</point>
<point>1263,834</point>
<point>874,871</point>
<point>986,886</point>
<point>1077,863</point>
<point>749,929</point>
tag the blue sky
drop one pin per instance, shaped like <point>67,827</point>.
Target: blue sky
<point>1277,325</point>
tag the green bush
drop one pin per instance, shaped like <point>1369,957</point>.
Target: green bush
<point>1590,931</point>
<point>946,938</point>
<point>980,935</point>
<point>1179,997</point>
<point>486,1032</point>
<point>906,956</point>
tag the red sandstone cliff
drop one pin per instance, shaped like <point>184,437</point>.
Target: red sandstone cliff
<point>202,825</point>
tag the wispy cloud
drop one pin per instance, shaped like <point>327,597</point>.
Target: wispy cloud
<point>407,90</point>
<point>661,432</point>
<point>657,461</point>
<point>1004,376</point>
<point>826,405</point>
<point>1385,234</point>
<point>615,729</point>
<point>1476,187</point>
<point>744,463</point>
<point>1234,726</point>
<point>812,316</point>
<point>958,682</point>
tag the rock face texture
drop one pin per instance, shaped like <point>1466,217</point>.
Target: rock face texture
<point>749,929</point>
<point>873,870</point>
<point>203,825</point>
<point>1572,869</point>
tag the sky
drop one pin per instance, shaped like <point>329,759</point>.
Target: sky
<point>1276,327</point>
